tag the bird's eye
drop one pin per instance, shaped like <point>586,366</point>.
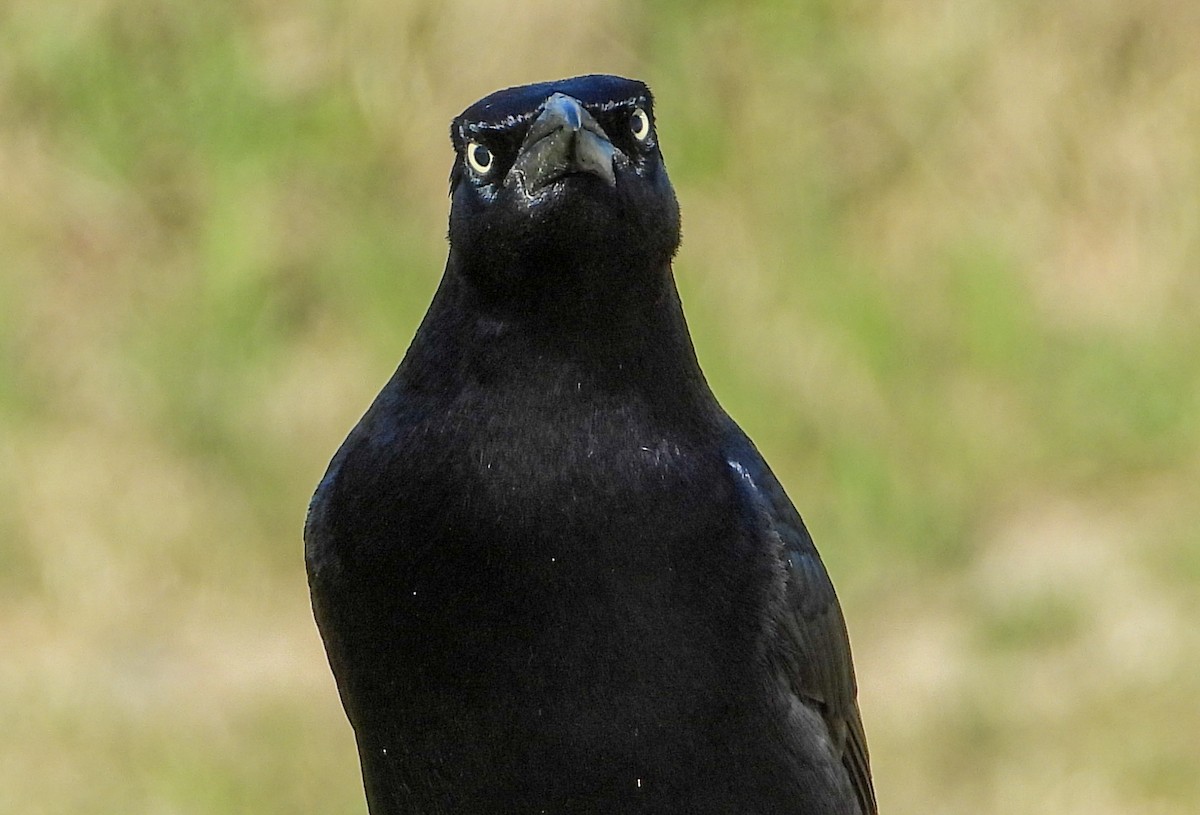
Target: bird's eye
<point>479,157</point>
<point>639,124</point>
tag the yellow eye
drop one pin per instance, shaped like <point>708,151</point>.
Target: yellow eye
<point>479,157</point>
<point>639,124</point>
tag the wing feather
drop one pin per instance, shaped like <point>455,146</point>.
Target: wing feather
<point>814,647</point>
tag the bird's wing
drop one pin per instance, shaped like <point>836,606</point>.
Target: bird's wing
<point>814,648</point>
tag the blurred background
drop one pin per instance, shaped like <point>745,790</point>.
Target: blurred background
<point>941,260</point>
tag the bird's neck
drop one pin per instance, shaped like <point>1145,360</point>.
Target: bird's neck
<point>630,335</point>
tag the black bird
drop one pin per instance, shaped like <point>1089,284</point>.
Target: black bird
<point>551,574</point>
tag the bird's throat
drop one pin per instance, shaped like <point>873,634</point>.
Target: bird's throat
<point>570,337</point>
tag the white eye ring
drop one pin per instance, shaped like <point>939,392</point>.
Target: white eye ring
<point>479,157</point>
<point>639,123</point>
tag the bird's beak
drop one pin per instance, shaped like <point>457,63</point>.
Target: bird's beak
<point>563,139</point>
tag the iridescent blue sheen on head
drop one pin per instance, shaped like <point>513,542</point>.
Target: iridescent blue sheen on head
<point>505,108</point>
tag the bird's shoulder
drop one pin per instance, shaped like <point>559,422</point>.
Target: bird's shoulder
<point>811,647</point>
<point>355,476</point>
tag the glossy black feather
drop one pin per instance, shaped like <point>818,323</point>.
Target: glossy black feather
<point>550,573</point>
<point>813,647</point>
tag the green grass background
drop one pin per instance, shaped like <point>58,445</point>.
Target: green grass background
<point>941,259</point>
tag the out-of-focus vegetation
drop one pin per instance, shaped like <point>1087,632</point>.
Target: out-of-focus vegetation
<point>942,260</point>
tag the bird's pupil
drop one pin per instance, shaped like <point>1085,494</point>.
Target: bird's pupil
<point>482,156</point>
<point>640,123</point>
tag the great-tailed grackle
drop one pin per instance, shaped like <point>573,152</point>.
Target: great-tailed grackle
<point>551,574</point>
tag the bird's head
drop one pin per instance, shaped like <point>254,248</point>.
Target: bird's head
<point>561,185</point>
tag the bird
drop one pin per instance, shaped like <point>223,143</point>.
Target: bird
<point>551,574</point>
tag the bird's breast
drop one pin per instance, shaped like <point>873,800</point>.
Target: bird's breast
<point>577,533</point>
<point>556,587</point>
